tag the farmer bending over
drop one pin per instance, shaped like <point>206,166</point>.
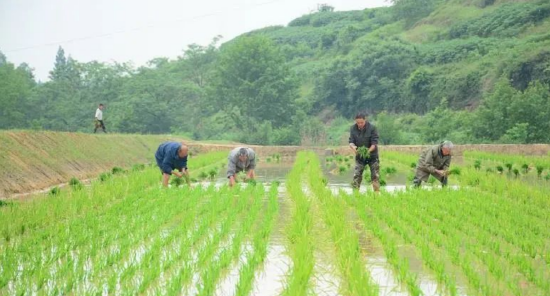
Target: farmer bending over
<point>241,159</point>
<point>172,156</point>
<point>434,161</point>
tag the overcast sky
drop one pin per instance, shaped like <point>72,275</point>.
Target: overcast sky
<point>136,30</point>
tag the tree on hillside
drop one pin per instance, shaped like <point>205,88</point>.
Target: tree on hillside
<point>15,87</point>
<point>325,8</point>
<point>253,84</point>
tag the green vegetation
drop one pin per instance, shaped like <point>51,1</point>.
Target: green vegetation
<point>421,67</point>
<point>489,236</point>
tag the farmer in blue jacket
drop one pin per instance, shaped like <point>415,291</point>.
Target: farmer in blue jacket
<point>172,156</point>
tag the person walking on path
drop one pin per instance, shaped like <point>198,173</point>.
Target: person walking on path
<point>99,119</point>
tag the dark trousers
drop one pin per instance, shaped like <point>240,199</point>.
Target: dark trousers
<point>99,124</point>
<point>360,165</point>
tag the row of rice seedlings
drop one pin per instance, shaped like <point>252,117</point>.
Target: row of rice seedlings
<point>260,242</point>
<point>200,243</point>
<point>110,246</point>
<point>460,248</point>
<point>211,275</point>
<point>299,232</point>
<point>39,213</point>
<point>154,257</point>
<point>213,206</point>
<point>65,245</point>
<point>474,231</point>
<point>512,198</point>
<point>399,264</point>
<point>508,188</point>
<point>412,233</point>
<point>531,161</point>
<point>276,157</point>
<point>355,278</point>
<point>65,229</point>
<point>204,267</point>
<point>61,236</point>
<point>477,277</point>
<point>115,259</point>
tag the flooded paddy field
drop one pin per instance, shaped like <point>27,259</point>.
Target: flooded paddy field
<point>299,229</point>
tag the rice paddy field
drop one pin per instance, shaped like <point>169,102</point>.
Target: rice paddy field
<point>298,230</point>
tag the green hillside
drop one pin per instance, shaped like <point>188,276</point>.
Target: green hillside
<point>473,71</point>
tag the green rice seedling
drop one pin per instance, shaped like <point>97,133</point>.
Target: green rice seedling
<point>525,168</point>
<point>477,164</point>
<point>516,172</point>
<point>390,170</point>
<point>117,170</point>
<point>454,171</point>
<point>413,165</point>
<point>203,175</point>
<point>212,173</point>
<point>431,180</point>
<point>4,203</point>
<point>299,232</point>
<point>75,184</point>
<point>547,177</point>
<point>277,157</point>
<point>382,180</point>
<point>339,158</point>
<point>105,176</point>
<point>346,243</point>
<point>54,191</point>
<point>540,169</point>
<point>138,167</point>
<point>268,159</point>
<point>342,169</point>
<point>348,165</point>
<point>194,180</point>
<point>363,152</point>
<point>489,170</point>
<point>177,182</point>
<point>252,182</point>
<point>500,169</point>
<point>508,166</point>
<point>328,159</point>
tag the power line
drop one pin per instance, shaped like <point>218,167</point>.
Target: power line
<point>136,29</point>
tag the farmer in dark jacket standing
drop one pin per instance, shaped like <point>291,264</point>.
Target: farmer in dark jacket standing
<point>364,134</point>
<point>172,156</point>
<point>434,161</point>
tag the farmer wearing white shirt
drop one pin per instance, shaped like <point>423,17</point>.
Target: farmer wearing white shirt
<point>99,119</point>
